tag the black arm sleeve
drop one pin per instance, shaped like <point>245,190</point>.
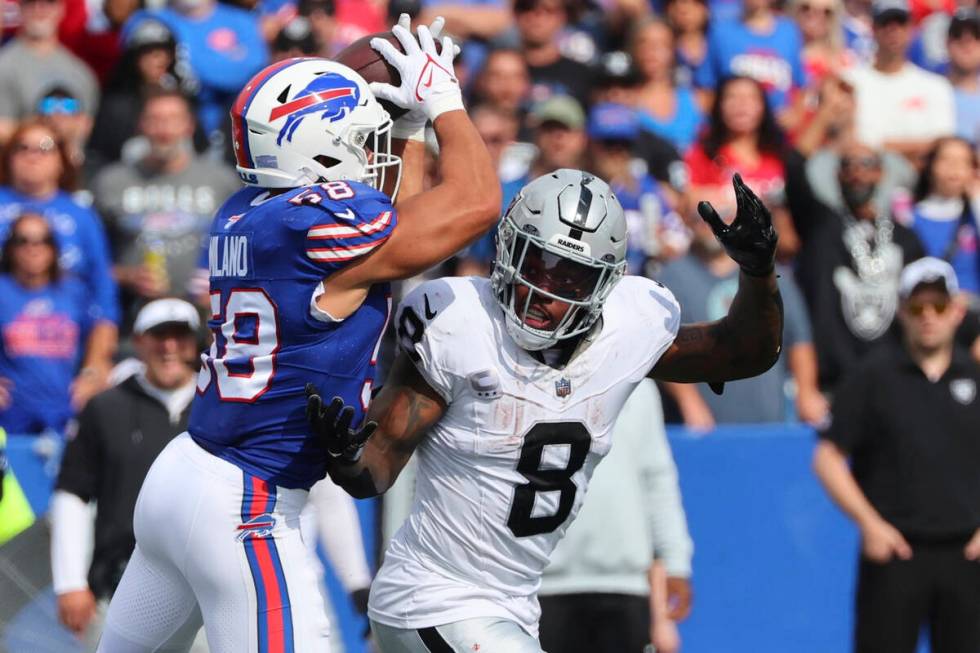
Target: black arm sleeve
<point>82,462</point>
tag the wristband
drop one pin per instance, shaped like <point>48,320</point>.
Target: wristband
<point>436,106</point>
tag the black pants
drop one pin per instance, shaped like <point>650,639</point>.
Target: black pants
<point>594,623</point>
<point>938,587</point>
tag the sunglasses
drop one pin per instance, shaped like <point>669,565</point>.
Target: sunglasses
<point>20,241</point>
<point>895,18</point>
<point>45,146</point>
<point>528,6</point>
<point>807,9</point>
<point>51,106</point>
<point>866,162</point>
<point>917,309</point>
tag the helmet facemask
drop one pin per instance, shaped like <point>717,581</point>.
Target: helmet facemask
<point>370,150</point>
<point>526,259</point>
<point>383,170</point>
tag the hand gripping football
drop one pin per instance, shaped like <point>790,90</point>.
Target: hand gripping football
<point>366,62</point>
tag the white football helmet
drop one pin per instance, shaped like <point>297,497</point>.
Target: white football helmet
<point>306,120</point>
<point>562,237</point>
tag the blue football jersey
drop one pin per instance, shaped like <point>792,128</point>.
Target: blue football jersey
<point>267,255</point>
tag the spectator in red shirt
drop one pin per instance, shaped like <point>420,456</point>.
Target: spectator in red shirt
<point>742,136</point>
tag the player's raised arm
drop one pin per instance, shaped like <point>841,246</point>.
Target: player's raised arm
<point>435,224</point>
<point>367,461</point>
<point>747,341</point>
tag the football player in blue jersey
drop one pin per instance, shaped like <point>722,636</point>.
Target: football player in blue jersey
<point>299,262</point>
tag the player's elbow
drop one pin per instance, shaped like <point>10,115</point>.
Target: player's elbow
<point>752,362</point>
<point>769,356</point>
<point>484,205</point>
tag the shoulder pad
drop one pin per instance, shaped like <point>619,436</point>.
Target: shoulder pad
<point>430,322</point>
<point>342,220</point>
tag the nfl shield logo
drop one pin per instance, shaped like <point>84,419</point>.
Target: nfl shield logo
<point>563,387</point>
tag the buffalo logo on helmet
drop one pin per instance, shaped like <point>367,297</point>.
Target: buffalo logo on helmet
<point>332,95</point>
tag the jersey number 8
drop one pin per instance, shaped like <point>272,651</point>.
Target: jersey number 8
<point>522,522</point>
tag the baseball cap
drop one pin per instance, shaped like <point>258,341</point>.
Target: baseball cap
<point>615,69</point>
<point>562,109</point>
<point>148,34</point>
<point>166,311</point>
<point>297,33</point>
<point>928,270</point>
<point>964,21</point>
<point>398,7</point>
<point>612,122</point>
<point>884,9</point>
<point>308,7</point>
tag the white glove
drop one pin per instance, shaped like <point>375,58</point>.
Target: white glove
<point>411,126</point>
<point>428,85</point>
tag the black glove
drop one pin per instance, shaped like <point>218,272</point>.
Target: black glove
<point>360,600</point>
<point>750,239</point>
<point>332,426</point>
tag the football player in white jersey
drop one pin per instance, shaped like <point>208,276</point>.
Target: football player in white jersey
<point>508,388</point>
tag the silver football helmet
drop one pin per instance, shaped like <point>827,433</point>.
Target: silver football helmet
<point>563,237</point>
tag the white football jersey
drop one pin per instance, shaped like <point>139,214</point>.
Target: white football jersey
<point>503,473</point>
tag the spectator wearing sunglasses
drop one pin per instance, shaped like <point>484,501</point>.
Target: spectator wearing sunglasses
<point>38,176</point>
<point>850,264</point>
<point>45,318</point>
<point>63,111</point>
<point>907,420</point>
<point>35,60</point>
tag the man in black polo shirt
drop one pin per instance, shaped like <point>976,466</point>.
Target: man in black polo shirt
<point>120,433</point>
<point>909,420</point>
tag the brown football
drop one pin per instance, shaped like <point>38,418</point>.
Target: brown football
<point>370,65</point>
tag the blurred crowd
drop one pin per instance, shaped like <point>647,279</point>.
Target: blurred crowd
<point>855,120</point>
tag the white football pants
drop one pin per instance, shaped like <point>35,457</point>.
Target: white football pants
<point>486,635</point>
<point>218,544</point>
